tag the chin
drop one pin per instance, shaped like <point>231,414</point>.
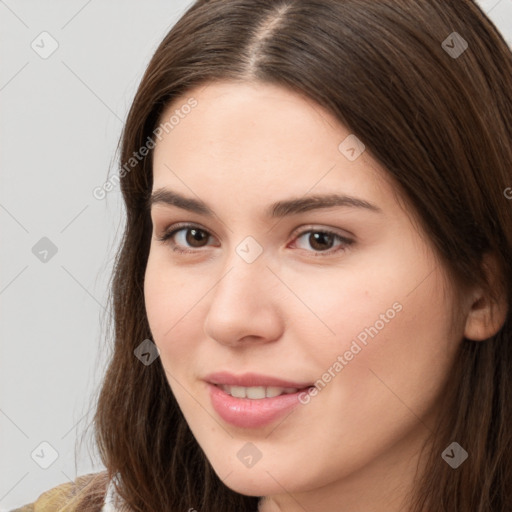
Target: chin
<point>257,484</point>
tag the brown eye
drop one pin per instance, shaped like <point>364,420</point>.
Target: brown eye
<point>195,237</point>
<point>185,239</point>
<point>321,241</point>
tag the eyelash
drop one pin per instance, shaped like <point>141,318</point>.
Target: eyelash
<point>166,238</point>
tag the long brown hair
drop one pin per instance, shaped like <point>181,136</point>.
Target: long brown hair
<point>438,119</point>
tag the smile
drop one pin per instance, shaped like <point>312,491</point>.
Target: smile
<point>252,407</point>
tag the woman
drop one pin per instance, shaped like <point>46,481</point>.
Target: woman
<point>312,296</point>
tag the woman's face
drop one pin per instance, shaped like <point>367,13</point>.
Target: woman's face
<point>345,294</point>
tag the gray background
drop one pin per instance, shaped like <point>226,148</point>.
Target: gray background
<point>61,118</point>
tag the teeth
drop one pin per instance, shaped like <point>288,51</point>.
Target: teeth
<point>256,392</point>
<point>273,391</point>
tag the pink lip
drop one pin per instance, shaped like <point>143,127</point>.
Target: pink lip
<point>252,379</point>
<point>249,413</point>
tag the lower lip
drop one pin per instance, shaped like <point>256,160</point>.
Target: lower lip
<point>251,413</point>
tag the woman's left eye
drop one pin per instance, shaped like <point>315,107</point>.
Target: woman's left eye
<point>323,240</point>
<point>184,239</point>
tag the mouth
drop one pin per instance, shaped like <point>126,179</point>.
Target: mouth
<point>253,407</point>
<point>254,380</point>
<point>258,392</point>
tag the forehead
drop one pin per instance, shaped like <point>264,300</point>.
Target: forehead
<point>248,115</point>
<point>260,137</point>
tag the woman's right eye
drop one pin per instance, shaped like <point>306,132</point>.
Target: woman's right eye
<point>185,236</point>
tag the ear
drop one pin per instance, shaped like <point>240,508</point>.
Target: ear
<point>487,309</point>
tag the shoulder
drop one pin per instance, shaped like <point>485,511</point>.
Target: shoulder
<point>88,490</point>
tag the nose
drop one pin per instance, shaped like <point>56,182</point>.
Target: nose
<point>244,305</point>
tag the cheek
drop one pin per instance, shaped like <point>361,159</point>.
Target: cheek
<point>172,302</point>
<point>173,310</point>
<point>396,357</point>
<point>382,337</point>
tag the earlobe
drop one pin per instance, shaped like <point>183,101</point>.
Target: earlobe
<point>489,307</point>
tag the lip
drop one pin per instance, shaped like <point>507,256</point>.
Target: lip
<point>252,379</point>
<point>249,413</point>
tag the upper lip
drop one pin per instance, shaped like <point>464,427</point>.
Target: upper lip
<point>252,379</point>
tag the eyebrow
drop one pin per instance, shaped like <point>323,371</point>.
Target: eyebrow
<point>276,210</point>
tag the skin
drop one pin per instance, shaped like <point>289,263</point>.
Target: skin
<point>291,312</point>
